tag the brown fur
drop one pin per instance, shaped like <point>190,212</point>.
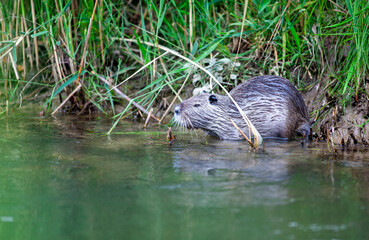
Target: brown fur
<point>272,104</point>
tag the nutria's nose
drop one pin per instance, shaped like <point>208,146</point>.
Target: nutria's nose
<point>177,110</point>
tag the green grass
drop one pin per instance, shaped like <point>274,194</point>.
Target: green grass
<point>305,41</point>
<point>356,65</point>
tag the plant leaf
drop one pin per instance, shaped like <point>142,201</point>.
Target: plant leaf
<point>64,85</point>
<point>14,55</point>
<point>39,34</point>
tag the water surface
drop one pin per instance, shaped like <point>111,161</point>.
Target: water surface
<point>63,178</point>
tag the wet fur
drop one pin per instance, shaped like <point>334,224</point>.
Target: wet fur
<point>272,104</point>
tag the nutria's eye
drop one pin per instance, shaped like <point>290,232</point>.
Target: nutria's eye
<point>213,99</point>
<point>196,105</point>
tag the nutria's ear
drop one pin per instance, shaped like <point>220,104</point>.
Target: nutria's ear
<point>213,99</point>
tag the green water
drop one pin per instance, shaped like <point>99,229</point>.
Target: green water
<point>61,178</point>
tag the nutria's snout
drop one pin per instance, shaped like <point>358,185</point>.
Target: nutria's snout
<point>181,118</point>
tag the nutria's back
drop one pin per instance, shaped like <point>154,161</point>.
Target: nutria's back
<point>272,104</point>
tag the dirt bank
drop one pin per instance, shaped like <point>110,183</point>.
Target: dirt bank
<point>341,125</point>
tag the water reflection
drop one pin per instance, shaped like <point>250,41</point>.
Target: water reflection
<point>64,178</point>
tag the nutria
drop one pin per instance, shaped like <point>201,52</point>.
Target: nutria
<point>272,104</point>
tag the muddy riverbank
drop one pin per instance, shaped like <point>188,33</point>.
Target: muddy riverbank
<point>339,124</point>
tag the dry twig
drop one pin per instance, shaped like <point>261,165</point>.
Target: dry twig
<point>138,106</point>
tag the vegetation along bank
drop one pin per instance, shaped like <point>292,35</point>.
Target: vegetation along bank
<point>127,57</point>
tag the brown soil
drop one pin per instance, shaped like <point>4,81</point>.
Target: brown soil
<point>343,126</point>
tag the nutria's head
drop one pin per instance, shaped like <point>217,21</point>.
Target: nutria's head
<point>209,112</point>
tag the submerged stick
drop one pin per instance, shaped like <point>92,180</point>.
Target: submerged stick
<point>65,100</point>
<point>148,118</point>
<point>125,96</point>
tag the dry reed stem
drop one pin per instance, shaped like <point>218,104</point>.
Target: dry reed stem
<point>168,76</point>
<point>11,23</point>
<point>185,32</point>
<point>14,66</point>
<point>17,19</point>
<point>335,4</point>
<point>100,32</point>
<point>124,96</point>
<point>242,27</point>
<point>75,22</point>
<point>58,68</point>
<point>23,52</point>
<point>214,15</point>
<point>30,57</point>
<point>179,38</point>
<point>65,100</point>
<point>86,42</point>
<point>29,82</point>
<point>276,57</point>
<point>191,22</point>
<point>15,45</point>
<point>258,138</point>
<point>2,26</point>
<point>236,7</point>
<point>2,63</point>
<point>277,25</point>
<point>35,38</point>
<point>227,13</point>
<point>60,22</point>
<point>139,70</point>
<point>244,135</point>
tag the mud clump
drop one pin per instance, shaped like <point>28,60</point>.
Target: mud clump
<point>345,126</point>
